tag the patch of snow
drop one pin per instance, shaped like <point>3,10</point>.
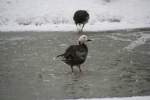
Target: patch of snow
<point>46,80</point>
<point>121,98</point>
<point>63,45</point>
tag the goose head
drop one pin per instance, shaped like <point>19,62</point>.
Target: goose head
<point>83,39</point>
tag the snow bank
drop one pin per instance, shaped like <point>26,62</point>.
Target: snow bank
<point>56,15</point>
<point>123,98</point>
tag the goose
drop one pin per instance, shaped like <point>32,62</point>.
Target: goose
<point>75,55</point>
<point>81,17</point>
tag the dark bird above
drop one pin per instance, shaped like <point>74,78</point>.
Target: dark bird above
<point>75,55</point>
<point>81,17</point>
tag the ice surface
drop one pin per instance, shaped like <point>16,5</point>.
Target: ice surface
<point>138,42</point>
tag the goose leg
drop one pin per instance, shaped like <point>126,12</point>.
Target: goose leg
<point>77,27</point>
<point>82,27</point>
<point>79,68</point>
<point>71,68</point>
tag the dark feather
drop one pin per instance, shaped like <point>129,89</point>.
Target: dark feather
<point>81,17</point>
<point>75,54</point>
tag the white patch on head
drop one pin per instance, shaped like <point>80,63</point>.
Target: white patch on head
<point>82,39</point>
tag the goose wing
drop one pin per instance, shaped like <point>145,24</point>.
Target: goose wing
<point>70,52</point>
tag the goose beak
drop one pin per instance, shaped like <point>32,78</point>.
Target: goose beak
<point>89,40</point>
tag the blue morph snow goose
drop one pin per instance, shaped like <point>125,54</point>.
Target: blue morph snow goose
<point>75,55</point>
<point>81,17</point>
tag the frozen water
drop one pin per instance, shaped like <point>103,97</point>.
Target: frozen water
<point>29,71</point>
<point>138,42</point>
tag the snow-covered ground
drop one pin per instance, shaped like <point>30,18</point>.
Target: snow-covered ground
<point>56,15</point>
<point>123,98</point>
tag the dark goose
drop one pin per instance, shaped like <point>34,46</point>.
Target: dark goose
<point>75,55</point>
<point>81,17</point>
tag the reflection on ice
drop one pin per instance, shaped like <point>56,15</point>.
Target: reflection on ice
<point>138,42</point>
<point>117,38</point>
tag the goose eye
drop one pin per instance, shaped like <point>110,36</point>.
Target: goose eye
<point>84,37</point>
